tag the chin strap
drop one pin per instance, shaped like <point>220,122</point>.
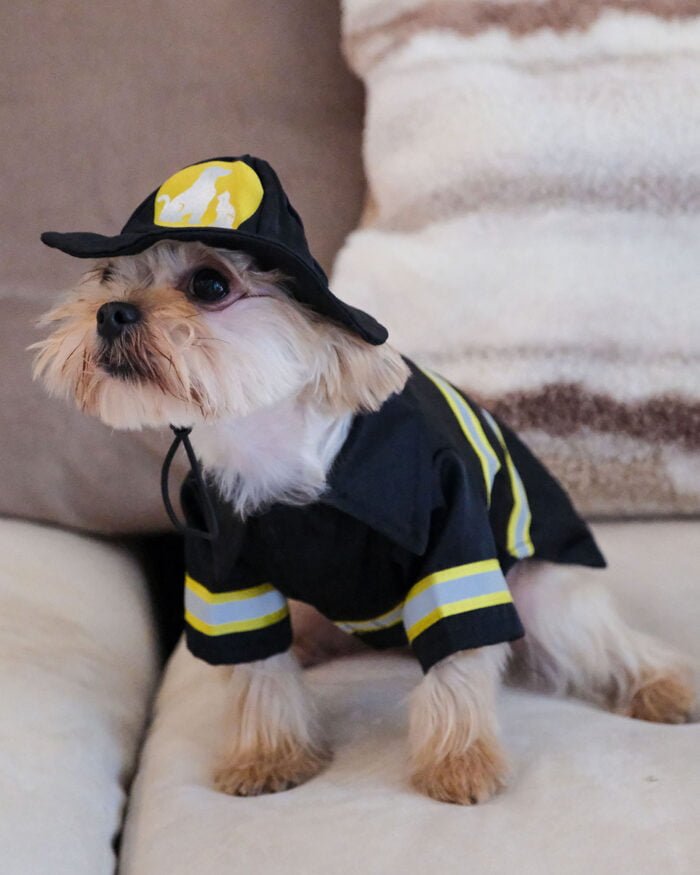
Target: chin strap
<point>212,532</point>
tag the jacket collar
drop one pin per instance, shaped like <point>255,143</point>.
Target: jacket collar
<point>383,475</point>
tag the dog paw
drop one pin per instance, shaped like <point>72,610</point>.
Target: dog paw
<point>271,773</point>
<point>667,699</point>
<point>466,778</point>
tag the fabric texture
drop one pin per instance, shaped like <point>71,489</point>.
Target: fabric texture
<point>121,106</point>
<point>429,504</point>
<point>78,666</point>
<point>532,223</point>
<point>589,791</point>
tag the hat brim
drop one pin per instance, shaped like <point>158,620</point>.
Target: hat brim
<point>309,286</point>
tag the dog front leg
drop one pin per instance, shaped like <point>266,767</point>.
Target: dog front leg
<point>274,740</point>
<point>455,752</point>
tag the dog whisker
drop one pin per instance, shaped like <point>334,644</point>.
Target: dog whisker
<point>70,355</point>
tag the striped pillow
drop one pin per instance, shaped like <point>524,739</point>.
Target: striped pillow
<point>533,224</point>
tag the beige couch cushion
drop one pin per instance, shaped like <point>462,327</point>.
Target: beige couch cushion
<point>591,791</point>
<point>78,664</point>
<point>103,105</point>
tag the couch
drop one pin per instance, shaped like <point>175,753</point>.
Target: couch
<point>108,737</point>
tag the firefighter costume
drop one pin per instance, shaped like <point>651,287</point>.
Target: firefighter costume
<point>428,504</point>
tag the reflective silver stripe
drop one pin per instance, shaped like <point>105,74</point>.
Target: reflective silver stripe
<point>236,611</point>
<point>519,543</point>
<point>376,624</point>
<point>454,591</point>
<point>227,612</point>
<point>450,591</point>
<point>472,429</point>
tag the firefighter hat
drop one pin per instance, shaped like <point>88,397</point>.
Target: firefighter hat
<point>230,203</point>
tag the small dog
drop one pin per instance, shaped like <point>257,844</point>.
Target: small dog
<point>194,328</point>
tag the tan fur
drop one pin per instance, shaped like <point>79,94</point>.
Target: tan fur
<point>455,753</point>
<point>355,376</point>
<point>274,739</point>
<point>268,770</point>
<point>193,364</point>
<point>666,699</point>
<point>466,778</point>
<point>68,360</point>
<point>578,644</point>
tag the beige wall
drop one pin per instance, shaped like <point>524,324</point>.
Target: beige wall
<point>102,101</point>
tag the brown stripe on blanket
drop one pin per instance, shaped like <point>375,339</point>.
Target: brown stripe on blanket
<point>563,409</point>
<point>519,17</point>
<point>638,485</point>
<point>665,195</point>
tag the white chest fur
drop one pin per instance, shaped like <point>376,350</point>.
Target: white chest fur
<point>281,453</point>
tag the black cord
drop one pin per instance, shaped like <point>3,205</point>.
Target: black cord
<point>212,532</point>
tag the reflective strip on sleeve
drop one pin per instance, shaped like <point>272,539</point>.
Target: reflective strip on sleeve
<point>518,540</point>
<point>244,610</point>
<point>376,624</point>
<point>472,429</point>
<point>454,591</point>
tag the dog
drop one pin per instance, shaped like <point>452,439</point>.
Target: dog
<point>289,394</point>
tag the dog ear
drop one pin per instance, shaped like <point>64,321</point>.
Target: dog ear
<point>354,375</point>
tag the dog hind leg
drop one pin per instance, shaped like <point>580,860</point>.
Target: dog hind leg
<point>577,643</point>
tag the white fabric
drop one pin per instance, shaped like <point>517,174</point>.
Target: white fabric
<point>532,174</point>
<point>591,792</point>
<point>77,667</point>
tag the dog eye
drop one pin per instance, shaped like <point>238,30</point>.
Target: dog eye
<point>208,285</point>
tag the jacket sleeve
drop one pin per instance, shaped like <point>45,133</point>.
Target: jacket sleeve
<point>232,614</point>
<point>460,599</point>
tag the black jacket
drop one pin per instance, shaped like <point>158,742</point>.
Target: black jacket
<point>429,503</point>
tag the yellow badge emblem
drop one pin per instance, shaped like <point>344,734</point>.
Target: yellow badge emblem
<point>216,194</point>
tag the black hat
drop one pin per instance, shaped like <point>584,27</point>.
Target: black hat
<point>231,203</point>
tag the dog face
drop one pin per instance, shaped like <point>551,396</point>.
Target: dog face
<point>183,333</point>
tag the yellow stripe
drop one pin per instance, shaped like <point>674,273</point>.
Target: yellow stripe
<point>236,625</point>
<point>437,381</point>
<point>219,598</point>
<point>517,492</point>
<point>460,607</point>
<point>370,625</point>
<point>452,573</point>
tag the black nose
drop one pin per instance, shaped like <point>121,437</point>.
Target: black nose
<point>114,317</point>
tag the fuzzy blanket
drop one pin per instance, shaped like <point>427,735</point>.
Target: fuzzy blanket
<point>591,793</point>
<point>533,227</point>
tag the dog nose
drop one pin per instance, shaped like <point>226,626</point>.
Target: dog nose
<point>114,317</point>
